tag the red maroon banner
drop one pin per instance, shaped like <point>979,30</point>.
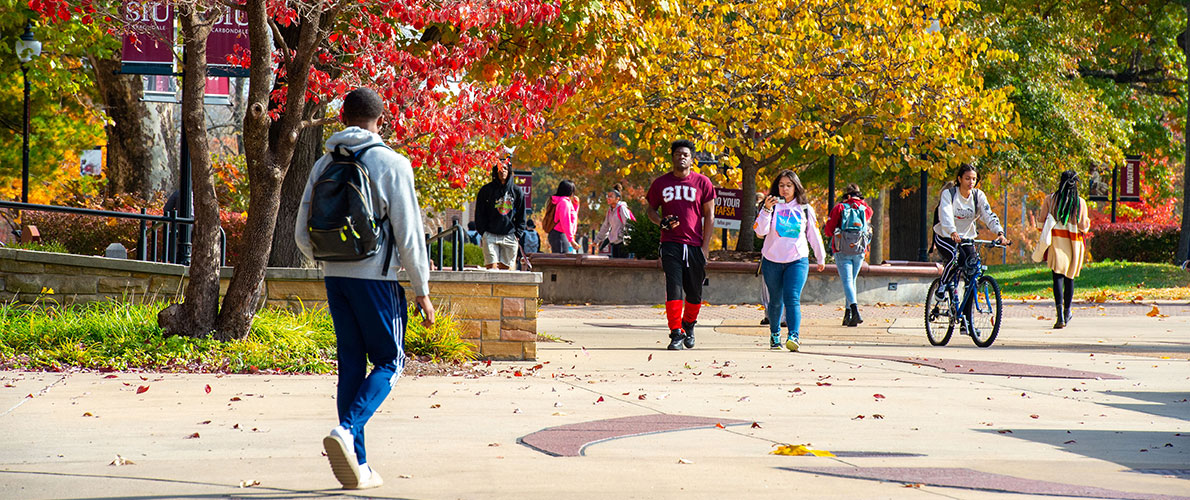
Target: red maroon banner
<point>230,31</point>
<point>524,180</point>
<point>1130,179</point>
<point>149,49</point>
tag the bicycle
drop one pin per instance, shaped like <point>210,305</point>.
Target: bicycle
<point>978,314</point>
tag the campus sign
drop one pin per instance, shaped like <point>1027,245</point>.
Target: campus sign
<point>727,208</point>
<point>149,48</point>
<point>524,180</point>
<point>1130,179</point>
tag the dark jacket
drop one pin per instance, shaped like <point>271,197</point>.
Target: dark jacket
<point>500,208</point>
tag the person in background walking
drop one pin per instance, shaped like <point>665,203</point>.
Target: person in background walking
<point>560,219</point>
<point>848,226</point>
<point>532,241</point>
<point>500,218</point>
<point>1067,224</point>
<point>682,202</point>
<point>614,221</point>
<point>789,227</point>
<point>366,302</point>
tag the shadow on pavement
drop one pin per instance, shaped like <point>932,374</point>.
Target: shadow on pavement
<point>1162,404</point>
<point>254,492</point>
<point>1132,449</point>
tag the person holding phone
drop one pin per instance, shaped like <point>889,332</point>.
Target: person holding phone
<point>682,202</point>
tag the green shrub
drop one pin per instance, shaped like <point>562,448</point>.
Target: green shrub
<point>120,336</point>
<point>1134,241</point>
<point>41,246</point>
<point>472,254</point>
<point>644,238</point>
<point>442,342</point>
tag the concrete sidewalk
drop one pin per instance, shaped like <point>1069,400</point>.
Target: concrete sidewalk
<point>898,427</point>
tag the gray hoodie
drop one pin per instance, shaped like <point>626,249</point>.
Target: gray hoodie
<point>392,194</point>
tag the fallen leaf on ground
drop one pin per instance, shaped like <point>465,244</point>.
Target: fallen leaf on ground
<point>797,450</point>
<point>248,483</point>
<point>1034,416</point>
<point>1004,431</point>
<point>193,436</point>
<point>110,376</point>
<point>204,422</point>
<point>857,417</point>
<point>878,396</point>
<point>719,426</point>
<point>684,461</point>
<point>755,425</point>
<point>405,476</point>
<point>913,485</point>
<point>235,398</point>
<point>1070,442</point>
<point>877,416</point>
<point>208,388</point>
<point>600,400</point>
<point>493,445</point>
<point>121,461</point>
<point>641,397</point>
<point>435,406</point>
<point>88,414</point>
<point>650,357</point>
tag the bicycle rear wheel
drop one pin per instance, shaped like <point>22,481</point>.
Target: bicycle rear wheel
<point>987,312</point>
<point>939,323</point>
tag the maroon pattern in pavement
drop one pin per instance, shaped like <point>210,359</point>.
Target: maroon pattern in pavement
<point>976,480</point>
<point>570,440</point>
<point>975,367</point>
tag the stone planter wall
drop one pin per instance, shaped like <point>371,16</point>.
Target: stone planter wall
<point>497,309</point>
<point>597,279</point>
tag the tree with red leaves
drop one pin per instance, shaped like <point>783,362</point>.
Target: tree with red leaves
<point>448,109</point>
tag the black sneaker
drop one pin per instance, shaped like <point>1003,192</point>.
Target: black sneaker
<point>689,329</point>
<point>676,338</point>
<point>764,320</point>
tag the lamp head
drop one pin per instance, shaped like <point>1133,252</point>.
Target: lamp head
<point>27,47</point>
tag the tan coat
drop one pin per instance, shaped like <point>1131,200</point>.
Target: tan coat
<point>1068,247</point>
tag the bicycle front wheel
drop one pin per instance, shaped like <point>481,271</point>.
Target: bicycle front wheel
<point>939,323</point>
<point>986,313</point>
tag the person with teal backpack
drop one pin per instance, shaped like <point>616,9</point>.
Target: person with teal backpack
<point>849,226</point>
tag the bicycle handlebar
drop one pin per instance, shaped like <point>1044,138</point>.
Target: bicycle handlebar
<point>987,243</point>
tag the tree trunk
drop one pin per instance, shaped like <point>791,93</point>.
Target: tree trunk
<point>268,156</point>
<point>309,148</point>
<point>140,135</point>
<point>748,205</point>
<point>1183,253</point>
<point>196,316</point>
<point>879,205</point>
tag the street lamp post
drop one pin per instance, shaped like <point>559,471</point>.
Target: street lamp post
<point>27,47</point>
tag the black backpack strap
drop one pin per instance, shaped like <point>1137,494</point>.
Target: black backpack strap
<point>388,245</point>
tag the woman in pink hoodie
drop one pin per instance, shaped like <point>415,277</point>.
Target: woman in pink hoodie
<point>565,222</point>
<point>790,229</point>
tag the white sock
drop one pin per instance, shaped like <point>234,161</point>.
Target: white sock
<point>365,472</point>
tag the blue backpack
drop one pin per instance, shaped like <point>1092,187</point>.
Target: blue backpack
<point>853,234</point>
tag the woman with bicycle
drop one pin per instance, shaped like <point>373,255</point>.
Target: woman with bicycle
<point>959,207</point>
<point>790,228</point>
<point>1066,224</point>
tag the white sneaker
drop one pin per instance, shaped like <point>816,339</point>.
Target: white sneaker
<point>340,451</point>
<point>369,478</point>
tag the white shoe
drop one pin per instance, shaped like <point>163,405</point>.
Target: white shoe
<point>370,479</point>
<point>340,451</point>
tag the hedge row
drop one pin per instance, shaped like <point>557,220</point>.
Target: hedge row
<point>1134,241</point>
<point>90,235</point>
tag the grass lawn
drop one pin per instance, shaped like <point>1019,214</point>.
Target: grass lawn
<point>1099,281</point>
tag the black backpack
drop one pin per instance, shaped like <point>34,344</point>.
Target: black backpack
<point>342,222</point>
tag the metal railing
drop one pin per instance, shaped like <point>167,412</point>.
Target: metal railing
<point>455,233</point>
<point>149,235</point>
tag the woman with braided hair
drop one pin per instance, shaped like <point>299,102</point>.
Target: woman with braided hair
<point>1067,248</point>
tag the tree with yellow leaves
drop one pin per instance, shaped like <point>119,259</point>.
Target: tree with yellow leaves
<point>782,84</point>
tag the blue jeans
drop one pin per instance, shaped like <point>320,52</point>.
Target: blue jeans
<point>369,318</point>
<point>785,282</point>
<point>848,267</point>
